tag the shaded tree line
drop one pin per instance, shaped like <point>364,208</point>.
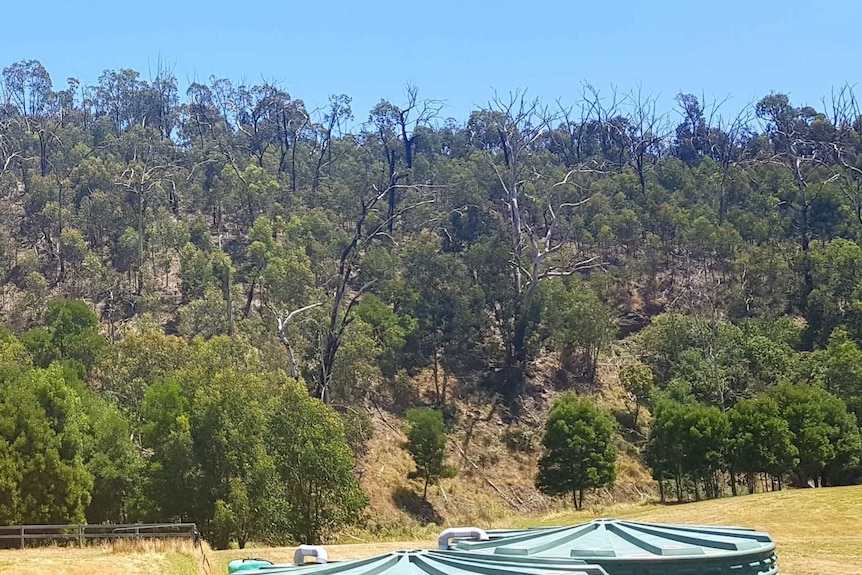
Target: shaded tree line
<point>746,408</point>
<point>158,428</point>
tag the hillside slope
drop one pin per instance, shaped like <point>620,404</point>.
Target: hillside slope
<point>496,455</point>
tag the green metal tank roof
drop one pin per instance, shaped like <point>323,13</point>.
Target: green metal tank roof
<point>631,547</point>
<point>494,534</point>
<point>430,563</point>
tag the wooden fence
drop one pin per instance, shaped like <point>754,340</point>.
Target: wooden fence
<point>19,535</point>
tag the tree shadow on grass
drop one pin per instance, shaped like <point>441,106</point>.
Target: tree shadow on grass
<point>411,503</point>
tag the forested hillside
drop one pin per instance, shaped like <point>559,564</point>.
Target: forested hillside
<point>208,295</point>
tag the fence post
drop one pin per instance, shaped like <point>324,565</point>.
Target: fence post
<point>22,537</point>
<point>81,536</point>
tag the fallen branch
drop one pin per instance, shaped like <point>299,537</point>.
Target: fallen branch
<point>464,456</point>
<point>488,481</point>
<point>502,495</point>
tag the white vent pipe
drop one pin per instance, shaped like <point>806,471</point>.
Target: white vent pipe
<point>460,533</point>
<point>316,551</point>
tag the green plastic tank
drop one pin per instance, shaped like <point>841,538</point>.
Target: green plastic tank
<point>248,564</point>
<point>635,548</point>
<point>430,563</point>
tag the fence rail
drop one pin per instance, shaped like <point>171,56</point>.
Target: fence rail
<point>83,533</point>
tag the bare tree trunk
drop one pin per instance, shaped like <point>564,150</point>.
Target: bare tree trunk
<point>283,323</point>
<point>436,369</point>
<point>228,298</point>
<point>62,258</point>
<point>141,207</point>
<point>250,298</point>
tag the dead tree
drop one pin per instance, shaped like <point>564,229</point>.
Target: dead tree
<point>535,237</point>
<point>726,140</point>
<point>647,133</point>
<point>147,174</point>
<point>606,126</point>
<point>283,321</point>
<point>346,296</point>
<point>326,132</point>
<point>396,129</point>
<point>846,160</point>
<point>804,153</point>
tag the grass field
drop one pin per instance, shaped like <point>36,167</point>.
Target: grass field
<point>142,558</point>
<point>817,531</point>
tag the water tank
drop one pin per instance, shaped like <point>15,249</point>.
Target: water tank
<point>247,564</point>
<point>431,563</point>
<point>635,548</point>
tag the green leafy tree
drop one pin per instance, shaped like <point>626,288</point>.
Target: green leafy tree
<point>115,462</point>
<point>426,443</point>
<point>196,272</point>
<point>688,442</point>
<point>174,472</point>
<point>760,440</point>
<point>578,323</point>
<point>836,273</point>
<point>71,334</point>
<point>637,380</point>
<point>579,451</point>
<point>207,316</point>
<point>239,517</point>
<point>227,416</point>
<point>43,478</point>
<point>439,292</point>
<point>825,434</point>
<point>314,464</point>
<point>138,361</point>
<point>842,370</point>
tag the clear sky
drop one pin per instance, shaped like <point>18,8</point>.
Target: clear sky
<point>457,51</point>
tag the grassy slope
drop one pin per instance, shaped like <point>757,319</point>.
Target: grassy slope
<point>493,481</point>
<point>817,531</point>
<point>160,558</point>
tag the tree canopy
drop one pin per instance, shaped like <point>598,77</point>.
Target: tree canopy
<point>178,266</point>
<point>578,449</point>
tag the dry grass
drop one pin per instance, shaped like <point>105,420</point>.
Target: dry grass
<point>397,509</point>
<point>168,557</point>
<point>817,530</point>
<point>493,482</point>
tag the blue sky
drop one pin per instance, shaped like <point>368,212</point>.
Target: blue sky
<point>457,51</point>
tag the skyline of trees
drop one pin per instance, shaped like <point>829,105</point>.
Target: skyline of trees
<point>715,258</point>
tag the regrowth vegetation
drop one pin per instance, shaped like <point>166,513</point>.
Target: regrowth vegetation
<point>201,291</point>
